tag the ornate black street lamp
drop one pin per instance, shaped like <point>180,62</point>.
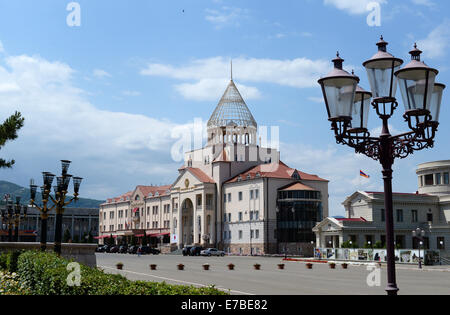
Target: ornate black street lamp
<point>59,200</point>
<point>18,217</point>
<point>347,108</point>
<point>44,209</point>
<point>420,236</point>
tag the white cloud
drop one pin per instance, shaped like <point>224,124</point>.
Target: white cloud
<point>211,73</point>
<point>225,16</point>
<point>354,7</point>
<point>437,42</point>
<point>99,73</point>
<point>121,149</point>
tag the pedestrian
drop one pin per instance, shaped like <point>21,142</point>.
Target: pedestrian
<point>139,251</point>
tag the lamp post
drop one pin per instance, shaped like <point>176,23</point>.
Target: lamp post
<point>419,235</point>
<point>59,201</point>
<point>8,218</point>
<point>18,217</point>
<point>348,109</point>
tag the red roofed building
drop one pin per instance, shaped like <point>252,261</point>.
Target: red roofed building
<point>233,194</point>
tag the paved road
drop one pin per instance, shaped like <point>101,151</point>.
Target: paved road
<point>294,280</point>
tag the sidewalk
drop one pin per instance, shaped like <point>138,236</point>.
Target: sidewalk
<point>383,264</point>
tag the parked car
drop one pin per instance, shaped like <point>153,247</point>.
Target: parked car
<point>187,250</point>
<point>114,249</point>
<point>149,250</point>
<point>123,249</point>
<point>212,252</point>
<point>132,249</point>
<point>100,249</point>
<point>196,250</point>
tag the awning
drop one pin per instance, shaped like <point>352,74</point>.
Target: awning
<point>159,234</point>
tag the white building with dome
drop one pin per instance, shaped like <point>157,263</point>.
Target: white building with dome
<point>231,194</point>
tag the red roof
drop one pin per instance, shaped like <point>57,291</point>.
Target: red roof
<point>273,170</point>
<point>361,219</point>
<point>297,186</point>
<point>147,190</point>
<point>200,175</point>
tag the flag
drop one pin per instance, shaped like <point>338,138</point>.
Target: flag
<point>361,173</point>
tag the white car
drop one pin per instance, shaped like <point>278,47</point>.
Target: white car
<point>212,252</point>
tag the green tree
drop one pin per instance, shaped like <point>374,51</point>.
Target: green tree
<point>8,132</point>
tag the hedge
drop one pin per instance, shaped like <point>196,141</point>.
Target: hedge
<point>46,274</point>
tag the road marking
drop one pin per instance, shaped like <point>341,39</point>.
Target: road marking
<point>175,280</point>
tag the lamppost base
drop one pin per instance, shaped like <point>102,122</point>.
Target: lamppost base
<point>392,289</point>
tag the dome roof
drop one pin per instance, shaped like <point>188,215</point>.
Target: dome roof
<point>232,110</point>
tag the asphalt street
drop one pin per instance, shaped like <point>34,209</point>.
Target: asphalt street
<point>295,279</point>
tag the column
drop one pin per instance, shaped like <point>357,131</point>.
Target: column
<point>203,221</point>
<point>179,224</point>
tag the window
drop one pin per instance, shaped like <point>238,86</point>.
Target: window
<point>429,217</point>
<point>224,235</point>
<point>224,198</point>
<point>229,197</point>
<point>429,180</point>
<point>240,234</point>
<point>224,217</point>
<point>240,195</point>
<point>383,215</point>
<point>256,215</point>
<point>229,235</point>
<point>438,178</point>
<point>104,215</point>
<point>399,215</point>
<point>251,234</point>
<point>446,179</point>
<point>414,216</point>
<point>400,241</point>
<point>229,217</point>
<point>256,193</point>
<point>240,216</point>
<point>256,233</point>
<point>251,194</point>
<point>251,215</point>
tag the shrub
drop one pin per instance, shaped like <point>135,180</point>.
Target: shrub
<point>46,274</point>
<point>8,261</point>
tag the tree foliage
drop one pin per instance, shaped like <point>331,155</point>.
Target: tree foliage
<point>8,132</point>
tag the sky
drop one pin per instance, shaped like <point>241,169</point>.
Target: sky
<point>113,85</point>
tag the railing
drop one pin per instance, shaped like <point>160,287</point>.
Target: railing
<point>445,261</point>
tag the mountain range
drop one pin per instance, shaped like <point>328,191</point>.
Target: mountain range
<point>15,190</point>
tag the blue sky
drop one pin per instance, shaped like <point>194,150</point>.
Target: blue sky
<point>113,93</point>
